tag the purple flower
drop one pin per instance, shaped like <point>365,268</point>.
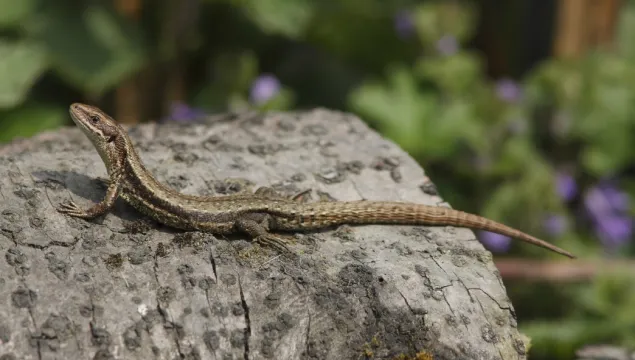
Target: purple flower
<point>608,208</point>
<point>618,200</point>
<point>566,186</point>
<point>604,200</point>
<point>264,88</point>
<point>555,224</point>
<point>404,25</point>
<point>508,90</point>
<point>183,113</point>
<point>495,242</point>
<point>447,45</point>
<point>614,231</point>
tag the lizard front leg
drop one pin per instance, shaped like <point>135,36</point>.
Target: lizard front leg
<point>102,207</point>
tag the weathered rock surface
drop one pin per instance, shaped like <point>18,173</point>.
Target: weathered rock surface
<point>124,287</point>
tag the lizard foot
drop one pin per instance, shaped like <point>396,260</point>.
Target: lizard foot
<point>302,196</point>
<point>269,192</point>
<point>273,241</point>
<point>70,208</point>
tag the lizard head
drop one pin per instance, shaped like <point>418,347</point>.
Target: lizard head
<point>101,129</point>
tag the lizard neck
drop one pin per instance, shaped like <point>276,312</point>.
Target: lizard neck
<point>135,175</point>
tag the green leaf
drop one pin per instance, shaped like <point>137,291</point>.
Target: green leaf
<point>15,11</point>
<point>453,74</point>
<point>20,65</point>
<point>91,47</point>
<point>533,177</point>
<point>505,197</point>
<point>436,19</point>
<point>456,122</point>
<point>517,155</point>
<point>565,336</point>
<point>600,162</point>
<point>593,318</point>
<point>290,18</point>
<point>416,119</point>
<point>626,30</point>
<point>282,101</point>
<point>398,109</point>
<point>233,74</point>
<point>29,120</point>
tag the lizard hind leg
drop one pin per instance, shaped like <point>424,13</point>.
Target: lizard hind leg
<point>256,226</point>
<point>269,192</point>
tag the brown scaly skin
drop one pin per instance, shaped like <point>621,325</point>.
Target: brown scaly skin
<point>254,214</point>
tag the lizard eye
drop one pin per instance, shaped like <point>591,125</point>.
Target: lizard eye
<point>94,119</point>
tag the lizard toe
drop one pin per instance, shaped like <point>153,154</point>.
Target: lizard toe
<point>71,209</point>
<point>273,241</point>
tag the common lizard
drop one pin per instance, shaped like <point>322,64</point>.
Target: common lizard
<point>255,214</point>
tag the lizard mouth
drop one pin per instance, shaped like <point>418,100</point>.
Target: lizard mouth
<point>77,113</point>
<point>80,114</point>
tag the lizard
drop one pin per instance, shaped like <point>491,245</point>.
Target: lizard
<point>259,214</point>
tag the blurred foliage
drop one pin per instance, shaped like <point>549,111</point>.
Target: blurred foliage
<point>550,153</point>
<point>603,314</point>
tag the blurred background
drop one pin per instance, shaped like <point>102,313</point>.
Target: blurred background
<point>522,111</point>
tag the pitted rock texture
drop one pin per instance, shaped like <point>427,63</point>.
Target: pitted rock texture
<point>125,287</point>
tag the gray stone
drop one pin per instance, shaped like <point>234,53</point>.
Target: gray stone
<point>122,294</point>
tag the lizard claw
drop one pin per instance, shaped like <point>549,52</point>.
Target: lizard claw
<point>70,208</point>
<point>274,241</point>
<point>302,195</point>
<point>268,192</point>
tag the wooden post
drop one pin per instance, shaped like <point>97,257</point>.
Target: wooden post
<point>127,99</point>
<point>583,25</point>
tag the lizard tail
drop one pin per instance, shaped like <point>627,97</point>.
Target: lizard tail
<point>325,214</point>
